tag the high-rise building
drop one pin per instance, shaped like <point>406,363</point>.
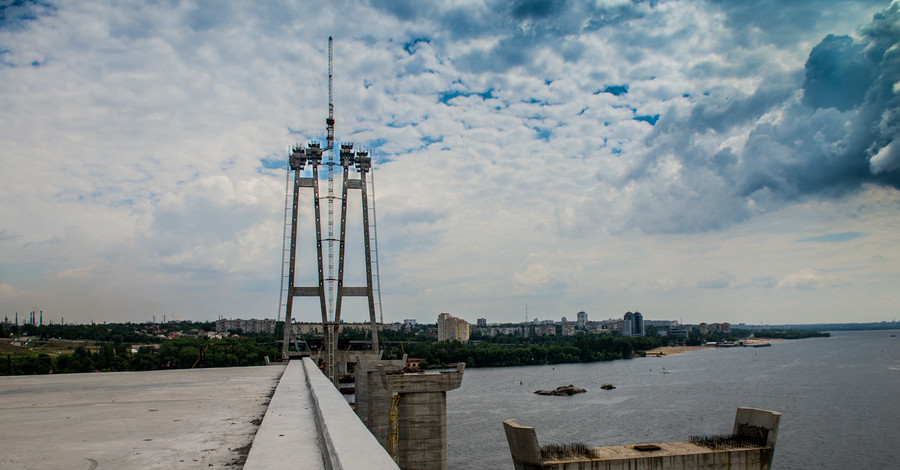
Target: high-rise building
<point>638,326</point>
<point>628,324</point>
<point>246,326</point>
<point>581,319</point>
<point>633,324</point>
<point>452,328</point>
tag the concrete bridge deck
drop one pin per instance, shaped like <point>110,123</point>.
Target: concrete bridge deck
<point>183,419</point>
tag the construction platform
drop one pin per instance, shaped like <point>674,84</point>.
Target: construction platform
<point>285,416</point>
<point>159,419</point>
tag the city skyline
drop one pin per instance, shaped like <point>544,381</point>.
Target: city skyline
<point>692,160</point>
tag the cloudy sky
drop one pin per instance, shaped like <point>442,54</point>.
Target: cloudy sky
<point>699,160</point>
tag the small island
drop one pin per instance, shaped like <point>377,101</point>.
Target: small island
<point>562,391</point>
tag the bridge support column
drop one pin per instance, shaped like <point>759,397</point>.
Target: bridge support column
<point>373,401</point>
<point>422,416</point>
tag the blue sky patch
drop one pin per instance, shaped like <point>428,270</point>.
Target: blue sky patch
<point>617,90</point>
<point>446,96</point>
<point>543,134</point>
<point>648,118</point>
<point>833,237</point>
<point>273,163</point>
<point>412,46</point>
<point>374,144</point>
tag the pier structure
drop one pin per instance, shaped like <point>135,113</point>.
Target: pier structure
<point>751,446</point>
<point>421,416</point>
<point>373,400</point>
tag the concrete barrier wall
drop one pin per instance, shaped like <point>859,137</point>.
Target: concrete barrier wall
<point>309,424</point>
<point>347,444</point>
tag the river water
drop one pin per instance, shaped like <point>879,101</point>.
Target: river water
<point>839,398</point>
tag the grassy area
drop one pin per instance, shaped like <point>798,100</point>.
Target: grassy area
<point>66,346</point>
<point>7,348</point>
<point>53,347</point>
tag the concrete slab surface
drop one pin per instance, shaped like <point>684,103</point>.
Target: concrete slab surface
<point>174,419</point>
<point>287,437</point>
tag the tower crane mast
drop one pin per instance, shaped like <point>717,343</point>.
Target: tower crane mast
<point>329,122</point>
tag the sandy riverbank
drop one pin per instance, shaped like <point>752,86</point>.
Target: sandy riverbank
<point>670,350</point>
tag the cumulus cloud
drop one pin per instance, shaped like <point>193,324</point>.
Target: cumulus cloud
<point>807,278</point>
<point>731,153</point>
<point>508,137</point>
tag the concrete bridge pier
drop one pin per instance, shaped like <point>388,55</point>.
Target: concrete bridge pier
<point>422,416</point>
<point>373,401</point>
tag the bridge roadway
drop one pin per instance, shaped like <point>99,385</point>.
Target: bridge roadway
<point>184,419</point>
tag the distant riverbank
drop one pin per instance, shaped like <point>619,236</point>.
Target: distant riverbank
<point>672,350</point>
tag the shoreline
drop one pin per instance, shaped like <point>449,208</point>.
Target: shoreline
<point>664,351</point>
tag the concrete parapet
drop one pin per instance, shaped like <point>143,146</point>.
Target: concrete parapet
<point>757,423</point>
<point>523,445</point>
<point>422,416</point>
<point>751,446</point>
<point>347,442</point>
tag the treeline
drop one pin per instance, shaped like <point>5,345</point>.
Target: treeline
<point>178,353</point>
<point>114,352</point>
<point>526,351</point>
<point>106,332</point>
<point>791,334</point>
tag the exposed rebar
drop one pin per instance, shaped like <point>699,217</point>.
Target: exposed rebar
<point>574,451</point>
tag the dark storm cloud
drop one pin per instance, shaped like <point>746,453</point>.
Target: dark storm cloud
<point>838,136</point>
<point>209,15</point>
<point>536,9</point>
<point>523,27</point>
<point>780,22</point>
<point>15,14</point>
<point>837,63</point>
<point>407,10</point>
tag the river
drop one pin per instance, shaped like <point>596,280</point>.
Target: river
<point>839,398</point>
